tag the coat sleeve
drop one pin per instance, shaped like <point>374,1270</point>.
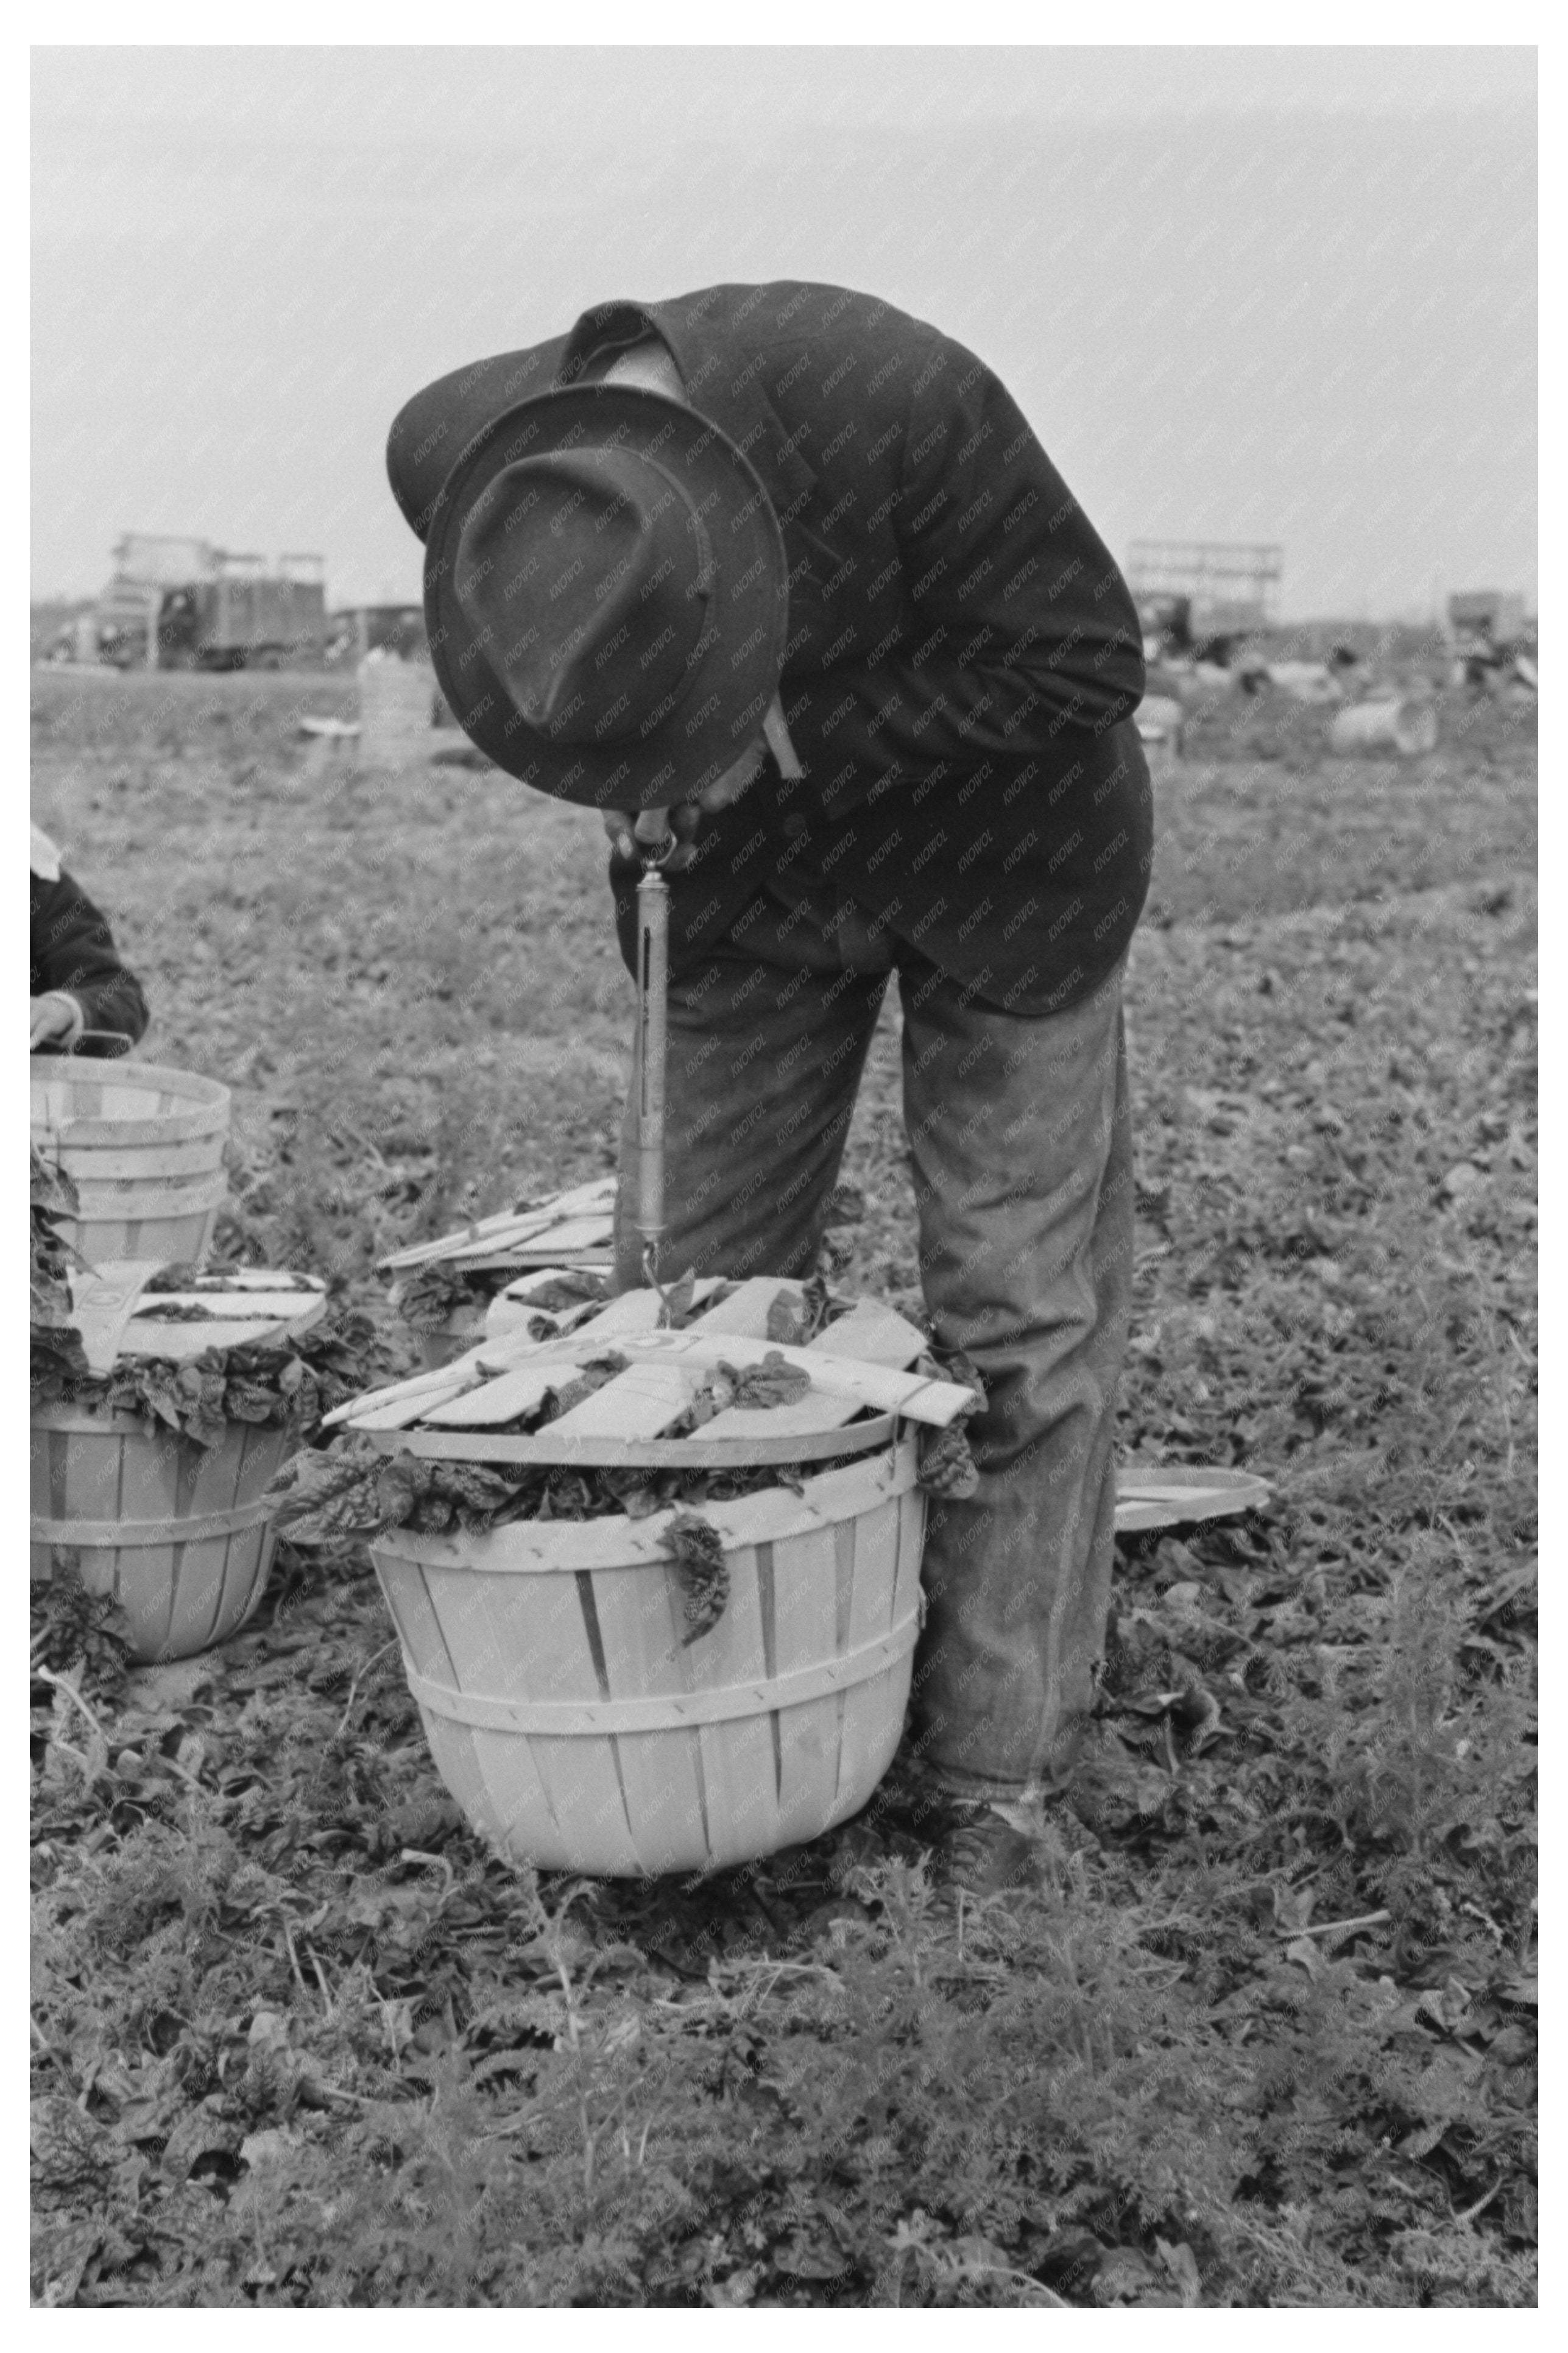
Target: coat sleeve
<point>1023,624</point>
<point>72,948</point>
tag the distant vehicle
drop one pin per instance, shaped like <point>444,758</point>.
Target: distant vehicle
<point>1203,600</point>
<point>360,630</point>
<point>183,604</point>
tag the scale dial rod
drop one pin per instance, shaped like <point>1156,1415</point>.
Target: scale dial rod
<point>653,1040</point>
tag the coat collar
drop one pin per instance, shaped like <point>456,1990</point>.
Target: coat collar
<point>723,369</point>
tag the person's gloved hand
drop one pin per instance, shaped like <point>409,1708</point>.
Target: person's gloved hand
<point>55,1019</point>
<point>629,830</point>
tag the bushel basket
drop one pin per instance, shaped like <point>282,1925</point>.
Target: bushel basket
<point>142,1145</point>
<point>579,1732</point>
<point>573,1711</point>
<point>178,1532</point>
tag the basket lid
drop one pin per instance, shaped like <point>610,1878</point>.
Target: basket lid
<point>235,1308</point>
<point>763,1397</point>
<point>574,1228</point>
<point>119,1315</point>
<point>1174,1495</point>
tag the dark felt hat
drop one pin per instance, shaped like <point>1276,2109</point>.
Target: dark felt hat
<point>606,596</point>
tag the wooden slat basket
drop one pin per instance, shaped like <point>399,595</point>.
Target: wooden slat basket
<point>578,1733</point>
<point>143,1147</point>
<point>178,1532</point>
<point>566,1706</point>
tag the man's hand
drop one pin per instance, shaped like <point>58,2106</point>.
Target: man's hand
<point>56,1020</point>
<point>654,824</point>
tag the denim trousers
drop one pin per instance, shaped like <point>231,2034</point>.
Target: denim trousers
<point>1020,1141</point>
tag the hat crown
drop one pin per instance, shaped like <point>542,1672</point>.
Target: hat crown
<point>595,635</point>
<point>585,574</point>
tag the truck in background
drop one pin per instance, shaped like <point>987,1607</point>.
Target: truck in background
<point>1203,600</point>
<point>183,604</point>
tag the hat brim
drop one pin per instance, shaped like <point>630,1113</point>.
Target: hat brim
<point>736,675</point>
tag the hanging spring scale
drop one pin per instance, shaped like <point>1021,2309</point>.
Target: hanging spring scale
<point>653,1045</point>
<point>653,1004</point>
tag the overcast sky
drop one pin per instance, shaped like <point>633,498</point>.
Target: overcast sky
<point>1252,294</point>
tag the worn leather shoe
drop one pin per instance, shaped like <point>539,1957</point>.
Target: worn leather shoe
<point>982,1851</point>
<point>979,1844</point>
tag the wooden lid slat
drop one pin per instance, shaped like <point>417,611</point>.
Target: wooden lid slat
<point>745,1311</point>
<point>524,1259</point>
<point>639,1403</point>
<point>504,1399</point>
<point>509,1226</point>
<point>571,1234</point>
<point>873,1334</point>
<point>815,1411</point>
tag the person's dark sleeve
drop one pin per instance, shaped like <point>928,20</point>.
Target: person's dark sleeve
<point>1024,624</point>
<point>72,948</point>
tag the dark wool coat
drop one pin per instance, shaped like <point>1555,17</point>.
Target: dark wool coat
<point>963,658</point>
<point>72,948</point>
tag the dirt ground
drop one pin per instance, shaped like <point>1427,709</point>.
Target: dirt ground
<point>1267,2035</point>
